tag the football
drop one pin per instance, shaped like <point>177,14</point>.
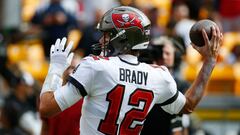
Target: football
<point>195,33</point>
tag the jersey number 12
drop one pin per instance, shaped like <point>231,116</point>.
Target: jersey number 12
<point>114,97</point>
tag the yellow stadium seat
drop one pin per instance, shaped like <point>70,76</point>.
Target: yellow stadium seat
<point>222,80</point>
<point>28,9</point>
<point>25,50</point>
<point>164,7</point>
<point>38,69</point>
<point>190,72</point>
<point>16,52</point>
<point>75,35</point>
<point>236,68</point>
<point>192,56</point>
<point>29,55</point>
<point>35,52</point>
<point>230,40</point>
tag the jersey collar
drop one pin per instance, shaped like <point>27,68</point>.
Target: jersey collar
<point>129,59</point>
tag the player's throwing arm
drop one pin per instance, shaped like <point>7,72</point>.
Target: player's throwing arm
<point>209,53</point>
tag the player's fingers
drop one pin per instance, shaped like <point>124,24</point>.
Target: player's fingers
<point>52,50</point>
<point>195,47</point>
<point>205,37</point>
<point>62,44</point>
<point>214,33</point>
<point>57,43</point>
<point>220,41</point>
<point>69,58</point>
<point>69,47</point>
<point>213,41</point>
<point>218,31</point>
<point>215,37</point>
<point>218,38</point>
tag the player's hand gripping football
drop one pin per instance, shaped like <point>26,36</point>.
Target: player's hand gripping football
<point>60,57</point>
<point>211,48</point>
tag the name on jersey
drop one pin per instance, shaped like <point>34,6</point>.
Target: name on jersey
<point>132,76</point>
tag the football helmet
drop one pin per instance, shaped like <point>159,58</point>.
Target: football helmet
<point>129,29</point>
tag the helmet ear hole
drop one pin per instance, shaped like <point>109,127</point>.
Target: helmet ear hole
<point>123,36</point>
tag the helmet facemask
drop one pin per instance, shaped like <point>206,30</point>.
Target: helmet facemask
<point>101,48</point>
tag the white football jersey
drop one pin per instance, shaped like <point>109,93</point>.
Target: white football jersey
<point>119,92</point>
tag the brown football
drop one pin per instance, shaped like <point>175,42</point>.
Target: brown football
<point>196,31</point>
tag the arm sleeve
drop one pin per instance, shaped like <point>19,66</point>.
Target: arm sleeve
<point>83,76</point>
<point>66,96</point>
<point>173,99</point>
<point>176,106</point>
<point>79,84</point>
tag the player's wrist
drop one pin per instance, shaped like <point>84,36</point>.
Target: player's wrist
<point>53,79</point>
<point>56,69</point>
<point>52,83</point>
<point>210,61</point>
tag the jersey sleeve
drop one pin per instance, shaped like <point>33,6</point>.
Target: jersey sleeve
<point>173,99</point>
<point>83,76</point>
<point>176,106</point>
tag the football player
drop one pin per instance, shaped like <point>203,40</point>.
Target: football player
<point>118,90</point>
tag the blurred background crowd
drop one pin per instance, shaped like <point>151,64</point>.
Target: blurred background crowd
<point>29,27</point>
